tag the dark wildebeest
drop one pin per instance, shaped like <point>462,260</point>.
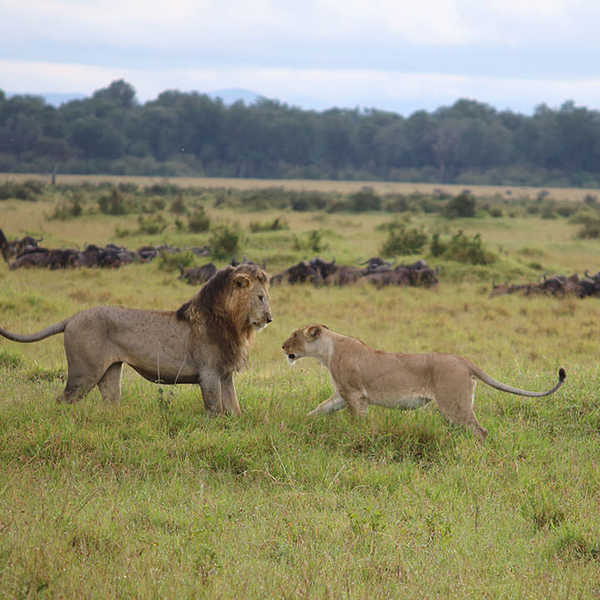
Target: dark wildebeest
<point>197,275</point>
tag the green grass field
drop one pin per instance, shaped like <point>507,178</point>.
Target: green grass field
<point>153,499</point>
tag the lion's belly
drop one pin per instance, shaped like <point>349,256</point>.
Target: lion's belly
<point>166,378</point>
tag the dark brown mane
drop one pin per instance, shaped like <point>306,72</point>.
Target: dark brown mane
<point>210,307</point>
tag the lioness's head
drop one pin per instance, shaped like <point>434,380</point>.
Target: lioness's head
<point>303,342</point>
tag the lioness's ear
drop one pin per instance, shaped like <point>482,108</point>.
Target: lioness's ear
<point>241,280</point>
<point>314,331</point>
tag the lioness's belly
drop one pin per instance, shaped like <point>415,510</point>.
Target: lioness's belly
<point>408,401</point>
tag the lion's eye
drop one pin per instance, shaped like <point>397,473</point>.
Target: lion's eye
<point>261,298</point>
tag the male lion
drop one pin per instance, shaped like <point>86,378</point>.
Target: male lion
<point>363,376</point>
<point>204,342</point>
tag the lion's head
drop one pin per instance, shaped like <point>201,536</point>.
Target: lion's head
<point>302,342</point>
<point>232,306</point>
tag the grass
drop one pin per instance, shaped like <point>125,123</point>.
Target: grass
<point>154,499</point>
<point>346,187</point>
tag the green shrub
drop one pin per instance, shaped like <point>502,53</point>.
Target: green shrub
<point>170,261</point>
<point>460,206</point>
<point>152,225</point>
<point>590,229</point>
<point>463,249</point>
<point>225,242</point>
<point>313,243</point>
<point>67,209</point>
<point>401,240</point>
<point>364,200</point>
<point>29,190</point>
<point>114,203</point>
<point>199,221</point>
<point>277,224</point>
<point>310,200</point>
<point>178,205</point>
<point>436,246</point>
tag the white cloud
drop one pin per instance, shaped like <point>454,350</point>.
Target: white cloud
<point>374,53</point>
<point>213,25</point>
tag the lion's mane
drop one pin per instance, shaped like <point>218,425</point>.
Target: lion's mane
<point>222,308</point>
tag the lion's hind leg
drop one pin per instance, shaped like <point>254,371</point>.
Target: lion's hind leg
<point>110,384</point>
<point>76,389</point>
<point>84,369</point>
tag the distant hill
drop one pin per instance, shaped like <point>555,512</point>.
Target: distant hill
<point>231,95</point>
<point>55,99</point>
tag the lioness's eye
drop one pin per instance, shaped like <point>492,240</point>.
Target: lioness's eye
<point>261,298</point>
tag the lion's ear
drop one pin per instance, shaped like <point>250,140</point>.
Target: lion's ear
<point>314,331</point>
<point>241,280</point>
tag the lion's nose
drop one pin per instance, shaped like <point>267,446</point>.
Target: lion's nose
<point>269,318</point>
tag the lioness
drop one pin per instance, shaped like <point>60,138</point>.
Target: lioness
<point>205,341</point>
<point>363,376</point>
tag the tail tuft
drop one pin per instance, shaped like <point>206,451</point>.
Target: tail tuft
<point>562,374</point>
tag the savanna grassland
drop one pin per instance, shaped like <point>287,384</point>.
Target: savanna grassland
<point>155,499</point>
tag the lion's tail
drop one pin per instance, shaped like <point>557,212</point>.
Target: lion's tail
<point>35,337</point>
<point>512,390</point>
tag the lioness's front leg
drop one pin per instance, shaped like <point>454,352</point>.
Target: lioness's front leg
<point>210,383</point>
<point>230,401</point>
<point>335,402</point>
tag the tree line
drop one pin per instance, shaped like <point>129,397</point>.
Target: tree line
<point>187,133</point>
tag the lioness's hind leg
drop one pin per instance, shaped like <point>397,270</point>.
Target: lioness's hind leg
<point>335,402</point>
<point>457,405</point>
<point>110,384</point>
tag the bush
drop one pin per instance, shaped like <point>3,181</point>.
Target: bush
<point>303,201</point>
<point>364,200</point>
<point>277,224</point>
<point>463,249</point>
<point>199,221</point>
<point>114,204</point>
<point>178,205</point>
<point>314,243</point>
<point>436,246</point>
<point>402,241</point>
<point>590,229</point>
<point>152,225</point>
<point>29,190</point>
<point>67,209</point>
<point>169,261</point>
<point>225,242</point>
<point>460,206</point>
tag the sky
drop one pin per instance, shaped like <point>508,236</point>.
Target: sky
<point>385,54</point>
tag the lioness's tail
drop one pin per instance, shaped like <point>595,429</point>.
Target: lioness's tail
<point>35,337</point>
<point>512,390</point>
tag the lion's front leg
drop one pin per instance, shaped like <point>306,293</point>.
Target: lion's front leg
<point>335,402</point>
<point>210,383</point>
<point>230,401</point>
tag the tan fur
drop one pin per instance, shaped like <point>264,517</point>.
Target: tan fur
<point>363,376</point>
<point>204,342</point>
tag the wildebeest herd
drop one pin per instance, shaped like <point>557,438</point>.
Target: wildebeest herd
<point>375,271</point>
<point>556,285</point>
<point>27,252</point>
